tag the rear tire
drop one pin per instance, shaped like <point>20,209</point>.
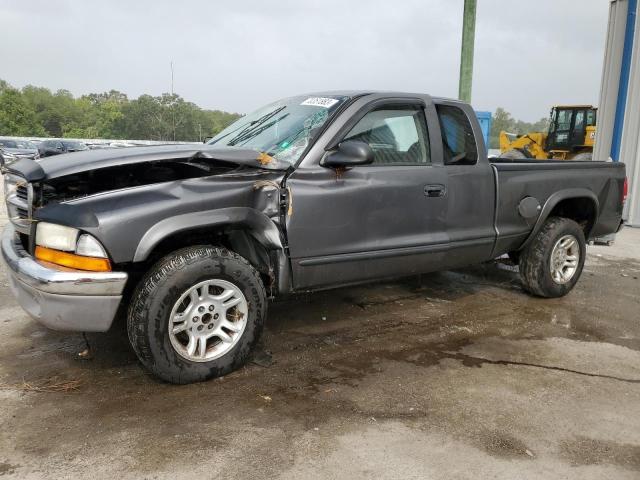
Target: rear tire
<point>188,295</point>
<point>552,263</point>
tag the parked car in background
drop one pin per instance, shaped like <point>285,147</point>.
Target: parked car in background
<point>98,146</point>
<point>19,148</point>
<point>123,144</point>
<point>7,157</point>
<point>48,148</point>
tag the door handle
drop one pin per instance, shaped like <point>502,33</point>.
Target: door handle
<point>435,190</point>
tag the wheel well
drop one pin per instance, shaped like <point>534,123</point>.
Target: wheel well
<point>238,240</point>
<point>582,210</point>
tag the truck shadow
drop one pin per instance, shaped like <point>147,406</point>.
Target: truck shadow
<point>293,322</point>
<point>338,309</point>
<point>439,287</point>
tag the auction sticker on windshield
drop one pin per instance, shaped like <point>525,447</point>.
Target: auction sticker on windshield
<point>320,102</point>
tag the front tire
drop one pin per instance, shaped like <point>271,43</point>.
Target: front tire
<point>197,314</point>
<point>552,263</point>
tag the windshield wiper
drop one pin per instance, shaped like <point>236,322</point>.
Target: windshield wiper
<point>254,125</point>
<point>257,130</point>
<point>243,127</point>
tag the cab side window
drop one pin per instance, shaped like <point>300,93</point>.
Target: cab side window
<point>458,141</point>
<point>397,135</point>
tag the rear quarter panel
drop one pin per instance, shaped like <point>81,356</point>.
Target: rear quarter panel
<point>550,182</point>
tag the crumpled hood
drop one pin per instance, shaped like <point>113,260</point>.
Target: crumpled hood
<point>77,162</point>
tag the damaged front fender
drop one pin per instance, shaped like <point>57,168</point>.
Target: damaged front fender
<point>239,223</point>
<point>258,224</point>
<point>133,222</point>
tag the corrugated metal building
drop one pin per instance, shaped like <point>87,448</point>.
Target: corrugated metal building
<point>618,132</point>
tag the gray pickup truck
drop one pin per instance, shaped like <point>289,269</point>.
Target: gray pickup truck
<point>310,192</point>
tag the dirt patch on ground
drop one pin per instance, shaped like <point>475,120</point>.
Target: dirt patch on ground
<point>590,451</point>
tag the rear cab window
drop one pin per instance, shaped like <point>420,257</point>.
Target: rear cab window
<point>458,141</point>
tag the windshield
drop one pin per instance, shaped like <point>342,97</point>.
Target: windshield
<point>26,144</point>
<point>282,129</point>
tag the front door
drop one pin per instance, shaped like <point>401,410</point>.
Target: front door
<point>372,221</point>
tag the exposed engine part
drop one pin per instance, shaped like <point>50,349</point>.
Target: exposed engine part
<point>125,176</point>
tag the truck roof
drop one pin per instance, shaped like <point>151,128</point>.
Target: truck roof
<point>390,93</point>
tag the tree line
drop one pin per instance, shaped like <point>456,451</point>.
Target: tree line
<point>38,112</point>
<point>502,120</point>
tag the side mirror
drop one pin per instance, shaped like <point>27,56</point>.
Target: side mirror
<point>206,139</point>
<point>348,154</point>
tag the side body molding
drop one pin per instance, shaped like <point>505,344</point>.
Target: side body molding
<point>554,200</point>
<point>261,227</point>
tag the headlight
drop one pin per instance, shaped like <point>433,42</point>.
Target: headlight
<point>66,246</point>
<point>57,237</point>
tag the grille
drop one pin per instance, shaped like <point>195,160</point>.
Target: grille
<point>22,212</point>
<point>22,192</point>
<point>18,197</point>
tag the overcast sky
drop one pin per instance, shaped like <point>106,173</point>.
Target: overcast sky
<point>237,55</point>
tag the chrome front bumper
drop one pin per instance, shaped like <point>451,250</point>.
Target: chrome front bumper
<point>70,300</point>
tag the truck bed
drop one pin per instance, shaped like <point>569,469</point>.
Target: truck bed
<point>589,184</point>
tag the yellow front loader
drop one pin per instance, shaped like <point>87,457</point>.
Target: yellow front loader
<point>571,135</point>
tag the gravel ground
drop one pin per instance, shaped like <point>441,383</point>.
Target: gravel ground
<point>461,375</point>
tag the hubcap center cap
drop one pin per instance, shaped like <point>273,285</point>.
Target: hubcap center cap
<point>564,260</point>
<point>208,320</point>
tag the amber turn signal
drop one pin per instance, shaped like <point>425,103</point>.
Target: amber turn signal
<point>71,260</point>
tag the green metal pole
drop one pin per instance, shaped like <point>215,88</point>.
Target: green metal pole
<point>466,55</point>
